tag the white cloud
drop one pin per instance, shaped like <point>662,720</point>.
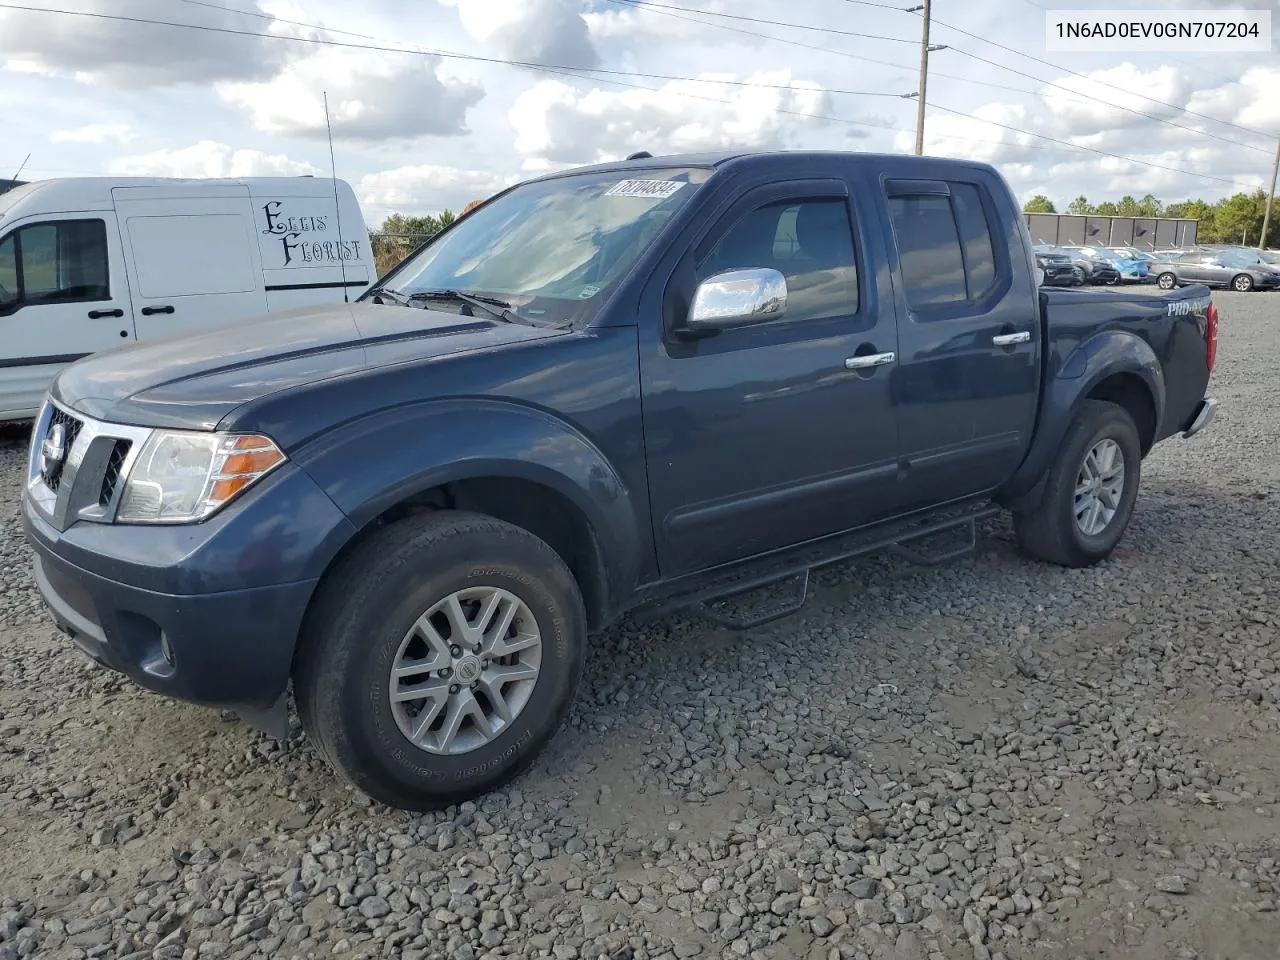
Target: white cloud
<point>94,133</point>
<point>372,96</point>
<point>425,189</point>
<point>534,31</point>
<point>131,54</point>
<point>210,159</point>
<point>557,122</point>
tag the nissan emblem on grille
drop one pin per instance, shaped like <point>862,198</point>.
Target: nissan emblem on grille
<point>53,451</point>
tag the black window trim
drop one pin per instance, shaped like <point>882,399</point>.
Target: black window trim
<point>22,302</point>
<point>770,193</point>
<point>956,309</point>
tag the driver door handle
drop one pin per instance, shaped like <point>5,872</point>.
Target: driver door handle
<point>1009,339</point>
<point>868,360</point>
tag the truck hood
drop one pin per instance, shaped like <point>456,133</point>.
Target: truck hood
<point>196,379</point>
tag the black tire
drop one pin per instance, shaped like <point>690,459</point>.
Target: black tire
<point>1049,531</point>
<point>1242,283</point>
<point>365,607</point>
<point>1166,281</point>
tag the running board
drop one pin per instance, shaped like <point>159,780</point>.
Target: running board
<point>896,540</point>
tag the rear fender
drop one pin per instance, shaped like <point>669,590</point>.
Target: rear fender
<point>1104,355</point>
<point>370,465</point>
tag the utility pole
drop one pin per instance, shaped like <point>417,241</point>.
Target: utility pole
<point>925,50</point>
<point>1266,217</point>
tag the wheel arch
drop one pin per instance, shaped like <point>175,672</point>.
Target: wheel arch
<point>1113,365</point>
<point>510,461</point>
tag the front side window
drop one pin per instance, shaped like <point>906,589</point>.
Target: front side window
<point>554,248</point>
<point>810,242</point>
<point>57,262</point>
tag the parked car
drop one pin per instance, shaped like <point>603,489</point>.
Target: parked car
<point>1132,266</point>
<point>1058,269</point>
<point>637,386</point>
<point>91,263</point>
<point>1216,270</point>
<point>1096,267</point>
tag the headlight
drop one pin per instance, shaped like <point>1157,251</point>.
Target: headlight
<point>181,477</point>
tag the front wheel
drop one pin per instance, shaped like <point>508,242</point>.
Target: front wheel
<point>1090,490</point>
<point>1242,283</point>
<point>439,658</point>
<point>1166,281</point>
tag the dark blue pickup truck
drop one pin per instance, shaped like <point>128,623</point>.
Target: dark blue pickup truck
<point>627,388</point>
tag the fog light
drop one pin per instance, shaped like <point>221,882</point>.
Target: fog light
<point>165,650</point>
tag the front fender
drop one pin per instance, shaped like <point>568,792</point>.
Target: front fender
<point>1104,355</point>
<point>371,464</point>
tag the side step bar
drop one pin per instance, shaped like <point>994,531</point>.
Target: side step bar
<point>897,540</point>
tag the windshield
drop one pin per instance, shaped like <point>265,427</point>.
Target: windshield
<point>551,249</point>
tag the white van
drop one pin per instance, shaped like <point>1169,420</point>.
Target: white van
<point>90,263</point>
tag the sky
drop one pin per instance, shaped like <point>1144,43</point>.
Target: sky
<point>460,98</point>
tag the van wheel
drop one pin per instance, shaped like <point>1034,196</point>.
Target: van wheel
<point>1166,281</point>
<point>1242,283</point>
<point>439,658</point>
<point>1089,491</point>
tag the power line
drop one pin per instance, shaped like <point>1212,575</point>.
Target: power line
<point>1074,73</point>
<point>571,71</point>
<point>1076,96</point>
<point>1102,153</point>
<point>741,18</point>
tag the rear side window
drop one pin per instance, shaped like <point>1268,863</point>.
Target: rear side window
<point>191,255</point>
<point>929,248</point>
<point>63,261</point>
<point>945,246</point>
<point>810,242</point>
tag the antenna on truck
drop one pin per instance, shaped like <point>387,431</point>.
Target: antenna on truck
<point>337,207</point>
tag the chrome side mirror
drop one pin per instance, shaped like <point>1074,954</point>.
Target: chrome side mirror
<point>737,298</point>
<point>1039,276</point>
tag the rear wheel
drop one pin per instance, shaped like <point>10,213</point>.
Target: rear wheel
<point>1242,283</point>
<point>1166,281</point>
<point>440,657</point>
<point>1089,492</point>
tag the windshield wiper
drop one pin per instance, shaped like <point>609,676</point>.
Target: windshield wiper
<point>490,305</point>
<point>394,295</point>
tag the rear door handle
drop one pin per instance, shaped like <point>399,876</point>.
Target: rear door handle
<point>148,311</point>
<point>1009,339</point>
<point>99,314</point>
<point>868,360</point>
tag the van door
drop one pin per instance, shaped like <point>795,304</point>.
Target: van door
<point>63,295</point>
<point>193,260</point>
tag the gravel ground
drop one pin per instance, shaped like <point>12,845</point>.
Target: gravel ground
<point>990,759</point>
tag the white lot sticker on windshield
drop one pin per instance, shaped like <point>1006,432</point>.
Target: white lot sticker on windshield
<point>658,189</point>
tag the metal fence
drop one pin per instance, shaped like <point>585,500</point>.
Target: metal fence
<point>1145,233</point>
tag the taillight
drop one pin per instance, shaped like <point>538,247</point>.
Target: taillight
<point>1211,335</point>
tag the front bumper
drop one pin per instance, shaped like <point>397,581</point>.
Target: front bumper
<point>207,612</point>
<point>231,649</point>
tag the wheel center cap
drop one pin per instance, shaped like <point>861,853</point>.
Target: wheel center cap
<point>467,669</point>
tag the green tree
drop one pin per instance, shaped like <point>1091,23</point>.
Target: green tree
<point>1080,205</point>
<point>1039,204</point>
<point>1149,206</point>
<point>446,217</point>
<point>1109,209</point>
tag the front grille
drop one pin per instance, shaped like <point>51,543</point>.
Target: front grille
<point>112,475</point>
<point>71,427</point>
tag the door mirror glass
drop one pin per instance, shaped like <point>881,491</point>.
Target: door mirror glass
<point>738,298</point>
